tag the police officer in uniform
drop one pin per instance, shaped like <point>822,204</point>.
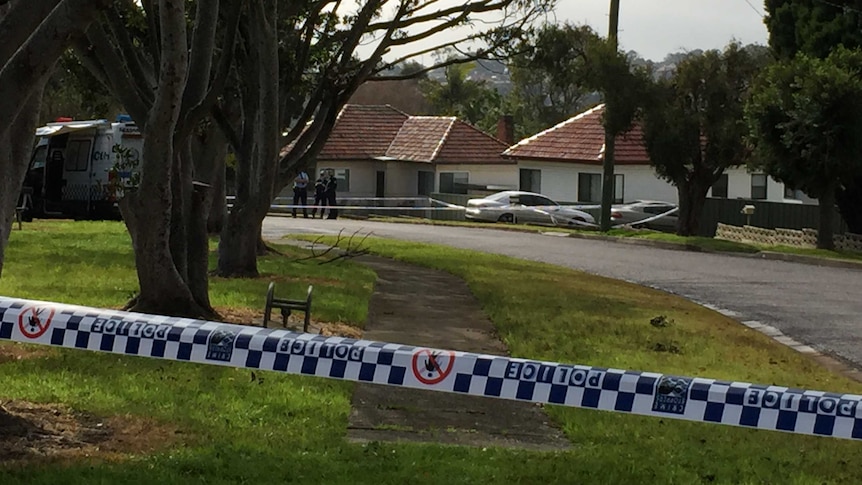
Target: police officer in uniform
<point>300,193</point>
<point>319,195</point>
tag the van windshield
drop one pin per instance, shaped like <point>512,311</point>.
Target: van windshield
<point>39,157</point>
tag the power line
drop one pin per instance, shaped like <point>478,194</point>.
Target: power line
<point>758,12</point>
<point>845,8</point>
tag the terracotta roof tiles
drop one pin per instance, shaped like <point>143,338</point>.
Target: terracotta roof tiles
<point>363,132</point>
<point>468,144</point>
<point>371,132</point>
<point>581,139</point>
<point>420,138</point>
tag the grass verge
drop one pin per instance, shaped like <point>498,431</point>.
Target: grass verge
<point>270,428</point>
<point>696,242</point>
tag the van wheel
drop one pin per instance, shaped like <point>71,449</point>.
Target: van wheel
<point>508,218</point>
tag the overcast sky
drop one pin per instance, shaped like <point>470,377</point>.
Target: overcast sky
<point>655,28</point>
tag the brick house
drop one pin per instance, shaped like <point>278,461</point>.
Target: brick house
<point>379,151</point>
<point>564,162</point>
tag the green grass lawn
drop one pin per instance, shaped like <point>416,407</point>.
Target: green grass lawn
<point>698,242</point>
<point>235,429</point>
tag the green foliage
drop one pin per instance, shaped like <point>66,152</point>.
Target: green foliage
<point>74,92</point>
<point>805,118</point>
<point>693,123</point>
<point>548,76</point>
<point>623,86</point>
<point>472,101</point>
<point>813,27</point>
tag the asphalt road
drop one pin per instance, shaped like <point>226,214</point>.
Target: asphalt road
<point>815,305</point>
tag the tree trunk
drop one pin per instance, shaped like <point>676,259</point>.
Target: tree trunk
<point>692,197</point>
<point>33,38</point>
<point>258,160</point>
<point>825,239</point>
<point>148,211</point>
<point>16,145</point>
<point>607,182</point>
<point>849,200</point>
<point>238,244</point>
<point>198,246</point>
<point>218,208</point>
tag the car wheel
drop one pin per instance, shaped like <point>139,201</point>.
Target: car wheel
<point>509,218</point>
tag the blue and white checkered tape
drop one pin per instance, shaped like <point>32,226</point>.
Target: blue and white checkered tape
<point>651,394</point>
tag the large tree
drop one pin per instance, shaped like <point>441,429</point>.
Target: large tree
<point>457,95</point>
<point>270,73</point>
<point>806,123</point>
<point>325,52</point>
<point>168,67</point>
<point>548,75</point>
<point>815,28</point>
<point>33,35</point>
<point>693,124</point>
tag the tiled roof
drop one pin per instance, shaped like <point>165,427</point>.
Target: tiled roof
<point>581,139</point>
<point>420,138</point>
<point>468,144</point>
<point>373,132</point>
<point>363,132</point>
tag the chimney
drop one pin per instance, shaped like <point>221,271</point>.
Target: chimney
<point>506,129</point>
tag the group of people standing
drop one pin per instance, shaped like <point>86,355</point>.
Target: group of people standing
<point>324,194</point>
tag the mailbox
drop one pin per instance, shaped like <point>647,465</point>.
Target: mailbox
<point>748,210</point>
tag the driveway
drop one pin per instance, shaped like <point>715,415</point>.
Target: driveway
<point>819,306</point>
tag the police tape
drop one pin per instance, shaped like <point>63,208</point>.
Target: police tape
<point>742,404</point>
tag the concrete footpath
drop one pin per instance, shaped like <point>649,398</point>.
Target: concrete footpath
<point>424,307</point>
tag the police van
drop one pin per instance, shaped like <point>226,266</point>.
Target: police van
<point>72,167</point>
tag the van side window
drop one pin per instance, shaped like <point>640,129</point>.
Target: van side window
<point>77,155</point>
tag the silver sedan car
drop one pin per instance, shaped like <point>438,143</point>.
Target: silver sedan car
<point>646,210</point>
<point>525,207</point>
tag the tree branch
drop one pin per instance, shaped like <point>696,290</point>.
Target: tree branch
<point>20,21</point>
<point>34,60</point>
<point>126,90</point>
<point>131,54</point>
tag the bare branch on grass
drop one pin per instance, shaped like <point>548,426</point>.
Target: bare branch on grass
<point>353,249</point>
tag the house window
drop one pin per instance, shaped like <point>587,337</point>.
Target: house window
<point>590,187</point>
<point>426,183</point>
<point>342,178</point>
<point>77,156</point>
<point>758,186</point>
<point>719,188</point>
<point>454,182</point>
<point>531,180</point>
<point>619,186</point>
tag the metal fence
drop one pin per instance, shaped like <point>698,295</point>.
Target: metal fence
<point>767,215</point>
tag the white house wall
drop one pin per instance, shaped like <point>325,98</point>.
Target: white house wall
<point>739,187</point>
<point>363,176</point>
<point>402,178</point>
<point>559,180</point>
